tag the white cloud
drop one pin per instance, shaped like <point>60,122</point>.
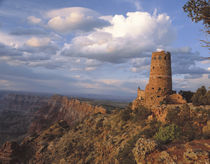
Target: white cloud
<point>66,20</point>
<point>38,42</point>
<point>34,20</point>
<point>127,37</point>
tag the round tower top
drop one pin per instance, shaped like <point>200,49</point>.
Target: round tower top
<point>161,53</point>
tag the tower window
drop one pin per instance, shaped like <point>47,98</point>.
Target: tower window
<point>165,57</point>
<point>153,67</point>
<point>159,89</point>
<point>158,96</point>
<point>159,57</point>
<point>153,88</point>
<point>154,58</point>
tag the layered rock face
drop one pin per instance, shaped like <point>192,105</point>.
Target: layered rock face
<point>22,114</point>
<point>10,153</point>
<point>62,108</point>
<point>16,113</point>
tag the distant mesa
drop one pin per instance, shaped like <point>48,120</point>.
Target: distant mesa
<point>159,89</point>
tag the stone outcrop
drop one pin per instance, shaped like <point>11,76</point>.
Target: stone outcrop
<point>175,99</point>
<point>196,151</point>
<point>10,153</point>
<point>142,148</point>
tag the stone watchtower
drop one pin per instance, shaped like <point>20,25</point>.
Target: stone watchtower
<point>159,88</point>
<point>160,80</point>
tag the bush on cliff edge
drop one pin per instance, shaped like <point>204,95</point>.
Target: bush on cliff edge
<point>167,134</point>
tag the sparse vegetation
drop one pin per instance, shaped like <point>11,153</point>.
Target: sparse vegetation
<point>167,134</point>
<point>125,156</point>
<point>201,97</point>
<point>152,128</point>
<point>187,95</point>
<point>141,113</point>
<point>125,114</point>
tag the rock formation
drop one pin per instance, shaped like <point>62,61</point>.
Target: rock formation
<point>22,114</point>
<point>104,138</point>
<point>62,108</point>
<point>10,153</point>
<point>16,113</point>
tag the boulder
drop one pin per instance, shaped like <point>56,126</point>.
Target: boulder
<point>142,148</point>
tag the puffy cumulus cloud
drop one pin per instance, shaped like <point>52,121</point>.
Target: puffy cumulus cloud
<point>34,20</point>
<point>34,52</point>
<point>130,36</point>
<point>66,20</point>
<point>38,42</point>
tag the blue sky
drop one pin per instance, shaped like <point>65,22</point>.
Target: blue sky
<point>97,47</point>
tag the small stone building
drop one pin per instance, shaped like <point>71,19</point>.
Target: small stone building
<point>159,88</point>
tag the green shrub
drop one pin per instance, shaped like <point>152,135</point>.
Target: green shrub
<point>187,95</point>
<point>201,97</point>
<point>167,134</point>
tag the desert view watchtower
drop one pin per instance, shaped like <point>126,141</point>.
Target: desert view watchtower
<point>160,80</point>
<point>159,88</point>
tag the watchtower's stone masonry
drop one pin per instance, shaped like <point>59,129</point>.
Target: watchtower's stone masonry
<point>159,88</point>
<point>160,80</point>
